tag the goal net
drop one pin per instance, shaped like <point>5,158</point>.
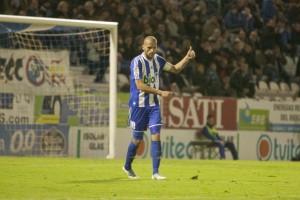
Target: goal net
<point>57,87</point>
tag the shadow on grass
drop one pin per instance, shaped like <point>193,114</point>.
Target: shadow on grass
<point>96,181</point>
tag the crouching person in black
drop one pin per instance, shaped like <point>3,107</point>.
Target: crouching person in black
<point>210,132</point>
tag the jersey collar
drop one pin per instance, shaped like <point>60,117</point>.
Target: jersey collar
<point>143,54</point>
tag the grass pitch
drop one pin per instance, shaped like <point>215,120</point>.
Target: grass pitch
<point>70,178</point>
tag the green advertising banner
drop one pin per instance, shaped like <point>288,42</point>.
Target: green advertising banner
<point>253,119</point>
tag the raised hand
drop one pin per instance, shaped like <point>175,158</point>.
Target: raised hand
<point>191,53</point>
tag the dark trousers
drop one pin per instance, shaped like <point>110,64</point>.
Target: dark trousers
<point>229,145</point>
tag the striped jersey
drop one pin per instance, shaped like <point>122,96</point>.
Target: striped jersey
<point>148,71</point>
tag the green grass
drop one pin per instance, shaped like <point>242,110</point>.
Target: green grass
<point>70,178</point>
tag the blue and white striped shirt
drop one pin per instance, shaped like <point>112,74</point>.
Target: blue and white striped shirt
<point>149,71</point>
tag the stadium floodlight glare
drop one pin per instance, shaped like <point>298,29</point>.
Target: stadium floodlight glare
<point>44,24</point>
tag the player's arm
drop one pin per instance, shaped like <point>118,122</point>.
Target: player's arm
<point>181,64</point>
<point>146,88</point>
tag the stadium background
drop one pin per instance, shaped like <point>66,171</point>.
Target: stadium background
<point>264,127</point>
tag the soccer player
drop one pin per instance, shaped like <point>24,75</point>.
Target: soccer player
<point>144,105</point>
<point>210,132</point>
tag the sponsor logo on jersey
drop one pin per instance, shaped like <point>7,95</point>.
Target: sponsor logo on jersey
<point>150,79</point>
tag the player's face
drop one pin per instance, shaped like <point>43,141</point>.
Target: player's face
<point>149,47</point>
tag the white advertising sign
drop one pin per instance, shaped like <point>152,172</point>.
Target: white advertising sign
<point>262,115</point>
<point>34,72</point>
<point>251,145</point>
<point>175,143</point>
<point>16,109</point>
<point>88,142</point>
<point>285,116</point>
<point>275,146</point>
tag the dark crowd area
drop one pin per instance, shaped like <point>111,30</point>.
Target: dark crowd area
<point>238,43</point>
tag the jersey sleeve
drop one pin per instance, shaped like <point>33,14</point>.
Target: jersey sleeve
<point>162,62</point>
<point>136,69</point>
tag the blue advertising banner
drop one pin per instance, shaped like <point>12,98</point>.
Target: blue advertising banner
<point>33,140</point>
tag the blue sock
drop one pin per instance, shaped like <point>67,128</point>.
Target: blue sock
<point>131,152</point>
<point>156,154</point>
